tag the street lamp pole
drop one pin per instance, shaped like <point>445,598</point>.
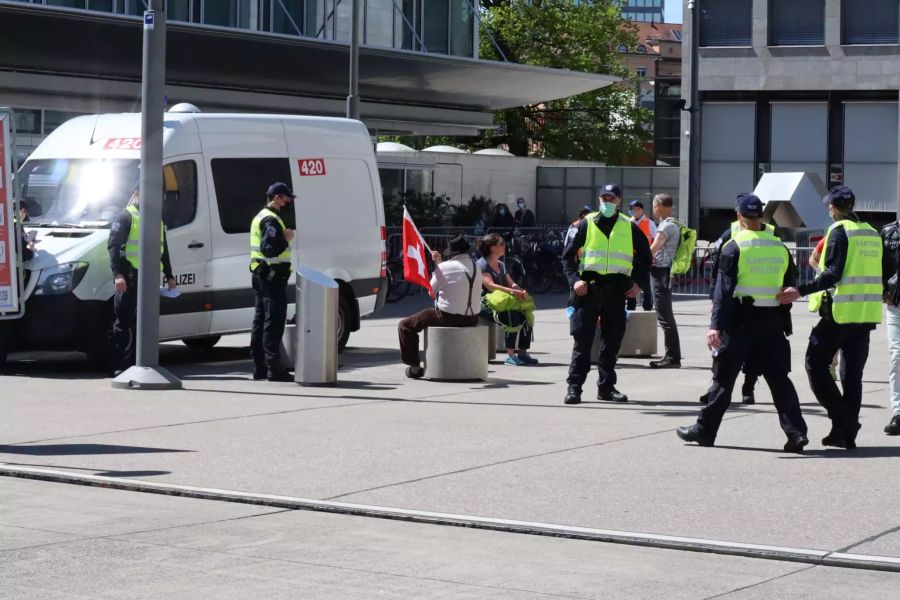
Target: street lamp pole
<point>353,98</point>
<point>147,374</point>
<point>695,123</point>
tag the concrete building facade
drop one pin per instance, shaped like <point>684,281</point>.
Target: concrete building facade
<point>793,85</point>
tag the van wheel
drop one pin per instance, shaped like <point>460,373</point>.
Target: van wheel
<point>345,314</point>
<point>202,343</point>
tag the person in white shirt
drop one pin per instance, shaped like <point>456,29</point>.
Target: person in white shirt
<point>456,283</point>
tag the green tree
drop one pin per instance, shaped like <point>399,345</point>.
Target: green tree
<point>604,125</point>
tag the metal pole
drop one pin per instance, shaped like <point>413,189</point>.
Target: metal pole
<point>147,374</point>
<point>353,98</point>
<point>694,142</point>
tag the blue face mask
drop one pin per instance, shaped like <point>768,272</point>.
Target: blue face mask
<point>607,209</point>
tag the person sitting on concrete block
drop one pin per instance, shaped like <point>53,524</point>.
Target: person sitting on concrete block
<point>456,284</point>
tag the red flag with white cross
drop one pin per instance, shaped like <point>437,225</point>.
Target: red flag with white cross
<point>415,254</point>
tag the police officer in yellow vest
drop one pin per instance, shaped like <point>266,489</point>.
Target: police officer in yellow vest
<point>748,321</point>
<point>606,260</point>
<point>847,294</point>
<point>124,249</point>
<point>751,374</point>
<point>270,263</point>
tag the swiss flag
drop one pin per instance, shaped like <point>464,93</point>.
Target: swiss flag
<point>415,259</point>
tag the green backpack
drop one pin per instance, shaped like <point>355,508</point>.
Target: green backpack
<point>684,255</point>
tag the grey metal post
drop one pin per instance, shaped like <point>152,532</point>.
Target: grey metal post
<point>147,374</point>
<point>695,133</point>
<point>353,98</point>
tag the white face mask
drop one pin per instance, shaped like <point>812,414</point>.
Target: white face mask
<point>607,209</point>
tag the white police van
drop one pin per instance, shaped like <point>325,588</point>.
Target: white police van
<point>217,168</point>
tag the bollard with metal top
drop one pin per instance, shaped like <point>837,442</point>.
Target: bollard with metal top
<point>315,359</point>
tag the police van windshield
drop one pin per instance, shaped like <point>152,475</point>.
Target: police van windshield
<point>76,192</point>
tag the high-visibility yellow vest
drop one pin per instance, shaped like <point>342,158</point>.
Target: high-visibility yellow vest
<point>256,255</point>
<point>606,256</point>
<point>857,297</point>
<point>133,245</point>
<point>762,263</point>
<point>736,228</point>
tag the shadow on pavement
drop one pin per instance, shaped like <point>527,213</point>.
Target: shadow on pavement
<point>860,452</point>
<point>81,449</point>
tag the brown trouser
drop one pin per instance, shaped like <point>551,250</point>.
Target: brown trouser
<point>410,328</point>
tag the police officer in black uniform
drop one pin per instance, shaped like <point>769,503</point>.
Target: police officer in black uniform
<point>123,247</point>
<point>270,263</point>
<point>751,322</point>
<point>603,296</point>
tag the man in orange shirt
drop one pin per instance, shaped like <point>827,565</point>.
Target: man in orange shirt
<point>646,225</point>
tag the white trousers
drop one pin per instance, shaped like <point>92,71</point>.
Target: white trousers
<point>893,332</point>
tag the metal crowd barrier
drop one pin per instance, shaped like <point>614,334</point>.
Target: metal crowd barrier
<point>697,282</point>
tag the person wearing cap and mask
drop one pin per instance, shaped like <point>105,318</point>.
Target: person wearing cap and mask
<point>456,285</point>
<point>847,293</point>
<point>124,248</point>
<point>270,264</point>
<point>748,320</point>
<point>503,219</point>
<point>606,261</point>
<point>751,373</point>
<point>648,227</point>
<point>524,216</point>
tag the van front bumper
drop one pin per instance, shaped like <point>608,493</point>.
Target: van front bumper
<point>59,323</point>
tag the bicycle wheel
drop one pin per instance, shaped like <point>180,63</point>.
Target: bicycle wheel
<point>398,287</point>
<point>516,270</point>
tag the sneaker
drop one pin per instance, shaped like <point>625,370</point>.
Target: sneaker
<point>415,372</point>
<point>893,428</point>
<point>514,360</point>
<point>527,358</point>
<point>665,363</point>
<point>748,399</point>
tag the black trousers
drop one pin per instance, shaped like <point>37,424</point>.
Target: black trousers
<point>124,331</point>
<point>826,338</point>
<point>609,307</point>
<point>268,319</point>
<point>661,284</point>
<point>647,298</point>
<point>761,336</point>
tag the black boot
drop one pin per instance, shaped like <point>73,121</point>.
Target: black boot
<point>611,394</point>
<point>573,396</point>
<point>695,433</point>
<point>893,428</point>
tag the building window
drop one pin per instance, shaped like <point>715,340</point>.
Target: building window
<point>441,26</point>
<point>55,118</point>
<point>641,71</point>
<point>642,49</point>
<point>870,21</point>
<point>623,48</point>
<point>726,22</point>
<point>796,22</point>
<point>240,185</point>
<point>28,121</point>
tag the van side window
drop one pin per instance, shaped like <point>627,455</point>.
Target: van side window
<point>180,193</point>
<point>241,185</point>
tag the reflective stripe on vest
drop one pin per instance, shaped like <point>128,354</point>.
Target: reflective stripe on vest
<point>736,228</point>
<point>606,256</point>
<point>256,255</point>
<point>133,244</point>
<point>762,264</point>
<point>857,298</point>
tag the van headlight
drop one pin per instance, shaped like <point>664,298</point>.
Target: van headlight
<point>60,279</point>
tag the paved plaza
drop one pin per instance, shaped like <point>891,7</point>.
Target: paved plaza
<point>506,448</point>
